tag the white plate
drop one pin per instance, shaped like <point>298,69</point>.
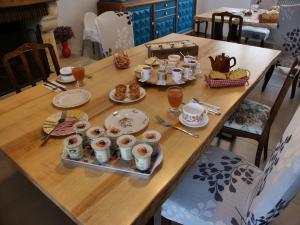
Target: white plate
<point>52,120</point>
<point>129,121</point>
<point>203,123</point>
<point>71,98</point>
<point>60,80</point>
<point>127,99</point>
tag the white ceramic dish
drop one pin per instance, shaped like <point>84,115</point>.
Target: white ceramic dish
<point>71,98</point>
<point>127,99</point>
<point>62,80</point>
<point>203,123</point>
<point>129,121</point>
<point>66,70</point>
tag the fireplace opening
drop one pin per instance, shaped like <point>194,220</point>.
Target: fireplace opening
<point>13,35</point>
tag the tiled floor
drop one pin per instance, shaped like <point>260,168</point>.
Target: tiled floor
<point>22,203</point>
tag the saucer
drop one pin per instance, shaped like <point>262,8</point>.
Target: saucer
<point>203,123</point>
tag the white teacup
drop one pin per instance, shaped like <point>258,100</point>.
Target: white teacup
<point>188,58</point>
<point>174,58</point>
<point>177,74</point>
<point>66,73</point>
<point>193,113</point>
<point>192,64</point>
<point>187,72</point>
<point>146,73</point>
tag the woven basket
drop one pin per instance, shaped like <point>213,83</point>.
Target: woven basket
<point>226,83</point>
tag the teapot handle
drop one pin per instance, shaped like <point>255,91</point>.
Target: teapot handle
<point>234,61</point>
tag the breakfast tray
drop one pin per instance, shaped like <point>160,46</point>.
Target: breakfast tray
<point>226,83</point>
<point>116,164</point>
<point>164,53</point>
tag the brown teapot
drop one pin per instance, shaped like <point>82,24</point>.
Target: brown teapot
<point>222,63</point>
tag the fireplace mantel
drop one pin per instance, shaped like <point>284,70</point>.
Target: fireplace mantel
<point>17,3</point>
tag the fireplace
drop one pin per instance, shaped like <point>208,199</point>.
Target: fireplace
<point>24,21</point>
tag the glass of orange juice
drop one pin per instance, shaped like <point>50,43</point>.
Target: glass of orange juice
<point>175,97</point>
<point>78,74</point>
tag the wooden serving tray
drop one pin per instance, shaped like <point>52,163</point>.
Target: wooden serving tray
<point>116,164</point>
<point>164,53</point>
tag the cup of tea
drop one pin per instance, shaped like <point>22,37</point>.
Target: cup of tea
<point>177,74</point>
<point>146,73</point>
<point>142,155</point>
<point>101,147</point>
<point>73,145</point>
<point>193,113</point>
<point>192,64</point>
<point>125,143</point>
<point>187,72</point>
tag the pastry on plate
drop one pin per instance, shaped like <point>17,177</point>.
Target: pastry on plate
<point>120,93</point>
<point>215,75</point>
<point>134,91</point>
<point>238,74</point>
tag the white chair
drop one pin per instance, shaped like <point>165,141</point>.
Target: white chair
<point>287,39</point>
<point>90,31</point>
<point>115,31</point>
<point>224,189</point>
<point>259,33</point>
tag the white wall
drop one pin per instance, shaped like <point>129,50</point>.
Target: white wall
<point>70,13</point>
<point>207,5</point>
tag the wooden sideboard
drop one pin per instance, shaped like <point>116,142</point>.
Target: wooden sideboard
<point>154,19</point>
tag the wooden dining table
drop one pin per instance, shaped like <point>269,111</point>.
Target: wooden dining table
<point>93,197</point>
<point>247,20</point>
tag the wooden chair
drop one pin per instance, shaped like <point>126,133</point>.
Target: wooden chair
<point>254,120</point>
<point>235,25</point>
<point>21,53</point>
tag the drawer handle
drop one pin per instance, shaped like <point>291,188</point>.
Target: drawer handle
<point>166,13</point>
<point>166,4</point>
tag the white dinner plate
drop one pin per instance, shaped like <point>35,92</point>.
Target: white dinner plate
<point>127,99</point>
<point>71,98</point>
<point>129,121</point>
<point>203,123</point>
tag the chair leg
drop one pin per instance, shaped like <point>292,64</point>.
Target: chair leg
<point>206,26</point>
<point>93,46</point>
<point>82,47</point>
<point>246,40</point>
<point>268,77</point>
<point>259,152</point>
<point>262,43</point>
<point>294,85</point>
<point>266,146</point>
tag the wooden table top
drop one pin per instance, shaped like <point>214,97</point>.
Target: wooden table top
<point>247,20</point>
<point>92,197</point>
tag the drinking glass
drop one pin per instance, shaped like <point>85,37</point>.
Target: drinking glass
<point>78,74</point>
<point>175,96</point>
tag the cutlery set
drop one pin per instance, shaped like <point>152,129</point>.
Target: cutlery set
<point>54,86</point>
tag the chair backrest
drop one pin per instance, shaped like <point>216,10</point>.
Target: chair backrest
<point>281,177</point>
<point>235,23</point>
<point>115,31</point>
<point>287,37</point>
<point>20,52</point>
<point>89,21</point>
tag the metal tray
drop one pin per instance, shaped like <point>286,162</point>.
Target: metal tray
<point>116,164</point>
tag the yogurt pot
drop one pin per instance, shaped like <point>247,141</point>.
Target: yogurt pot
<point>142,155</point>
<point>125,143</point>
<point>73,145</point>
<point>101,147</point>
<point>152,138</point>
<point>113,134</point>
<point>94,133</point>
<point>81,127</point>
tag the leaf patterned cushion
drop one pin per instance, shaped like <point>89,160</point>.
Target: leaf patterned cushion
<point>217,188</point>
<point>251,117</point>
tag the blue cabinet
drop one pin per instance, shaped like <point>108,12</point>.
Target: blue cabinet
<point>186,9</point>
<point>164,26</point>
<point>142,23</point>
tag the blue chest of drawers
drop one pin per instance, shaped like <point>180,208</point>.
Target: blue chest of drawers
<point>154,19</point>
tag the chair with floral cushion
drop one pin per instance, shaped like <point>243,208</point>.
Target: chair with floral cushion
<point>287,39</point>
<point>115,31</point>
<point>254,120</point>
<point>224,189</point>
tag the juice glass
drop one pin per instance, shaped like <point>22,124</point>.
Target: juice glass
<point>175,96</point>
<point>78,74</point>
